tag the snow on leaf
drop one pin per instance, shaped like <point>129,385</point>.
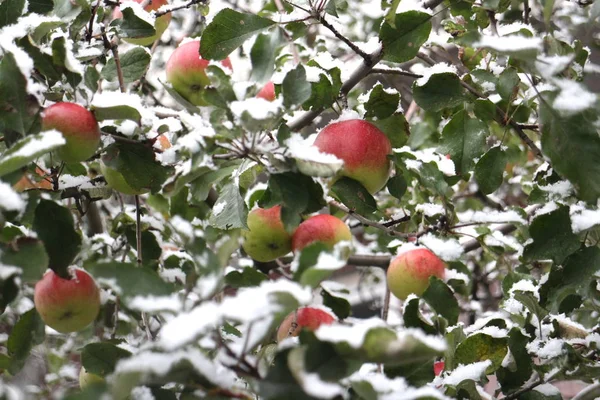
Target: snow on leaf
<point>9,199</point>
<point>473,372</point>
<point>447,250</point>
<point>310,160</point>
<point>573,97</point>
<point>28,149</point>
<point>187,327</point>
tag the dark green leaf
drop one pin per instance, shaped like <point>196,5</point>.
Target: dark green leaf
<point>324,92</point>
<point>354,195</point>
<point>432,178</point>
<point>40,6</point>
<point>489,170</point>
<point>381,104</point>
<point>13,158</point>
<point>295,88</point>
<point>229,30</point>
<point>395,127</point>
<point>28,254</point>
<point>249,277</point>
<point>101,358</point>
<point>91,78</point>
<point>230,211</point>
<point>14,102</point>
<point>55,227</point>
<point>28,332</point>
<point>464,139</point>
<point>552,237</point>
<point>441,298</point>
<point>581,267</point>
<point>417,374</point>
<point>134,27</point>
<point>482,347</point>
<point>507,82</point>
<point>414,319</point>
<point>133,65</point>
<point>573,145</point>
<point>441,91</point>
<point>531,303</point>
<point>263,54</point>
<point>513,377</point>
<point>10,11</point>
<point>340,306</point>
<point>402,42</point>
<point>397,186</point>
<point>151,250</point>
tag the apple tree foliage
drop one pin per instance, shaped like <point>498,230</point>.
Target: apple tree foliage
<point>496,168</point>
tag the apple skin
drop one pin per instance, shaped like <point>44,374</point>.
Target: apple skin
<point>362,147</point>
<point>409,272</point>
<point>307,317</point>
<point>87,379</point>
<point>160,25</point>
<point>322,228</point>
<point>267,92</point>
<point>79,128</point>
<point>438,368</point>
<point>67,305</point>
<point>116,181</point>
<point>186,71</point>
<point>266,238</point>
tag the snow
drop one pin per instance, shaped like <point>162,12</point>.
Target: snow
<point>558,190</point>
<point>549,66</point>
<point>9,199</point>
<point>430,209</point>
<point>525,285</point>
<point>445,165</point>
<point>37,145</point>
<point>139,11</point>
<point>353,334</point>
<point>257,108</point>
<point>513,43</point>
<point>551,349</point>
<point>491,216</point>
<point>187,327</point>
<point>447,250</point>
<point>548,390</point>
<point>493,331</point>
<point>427,72</point>
<point>573,97</point>
<point>109,99</point>
<point>470,371</point>
<point>7,271</point>
<point>153,304</point>
<point>303,149</point>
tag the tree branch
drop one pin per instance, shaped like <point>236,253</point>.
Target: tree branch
<point>179,7</point>
<point>115,51</point>
<point>366,57</point>
<point>389,71</point>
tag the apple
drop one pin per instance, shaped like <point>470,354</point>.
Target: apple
<point>267,92</point>
<point>410,272</point>
<point>186,71</point>
<point>307,317</point>
<point>438,368</point>
<point>322,228</point>
<point>160,24</point>
<point>266,238</point>
<point>67,305</point>
<point>87,379</point>
<point>79,128</point>
<point>363,148</point>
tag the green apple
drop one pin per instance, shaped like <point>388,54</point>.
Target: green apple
<point>322,228</point>
<point>363,148</point>
<point>160,24</point>
<point>409,272</point>
<point>79,128</point>
<point>266,238</point>
<point>186,71</point>
<point>87,379</point>
<point>303,318</point>
<point>67,305</point>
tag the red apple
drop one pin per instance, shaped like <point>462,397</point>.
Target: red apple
<point>67,305</point>
<point>186,72</point>
<point>160,24</point>
<point>438,367</point>
<point>410,272</point>
<point>364,149</point>
<point>307,317</point>
<point>267,92</point>
<point>79,128</point>
<point>266,238</point>
<point>323,228</point>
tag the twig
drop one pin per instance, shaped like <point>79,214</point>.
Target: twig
<point>292,44</point>
<point>115,51</point>
<point>368,222</point>
<point>90,28</point>
<point>526,11</point>
<point>366,57</point>
<point>138,237</point>
<point>394,72</point>
<point>493,22</point>
<point>179,7</point>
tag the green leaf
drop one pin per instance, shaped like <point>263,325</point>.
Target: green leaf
<point>513,378</point>
<point>9,289</point>
<point>263,54</point>
<point>309,272</point>
<point>573,145</point>
<point>23,152</point>
<point>395,127</point>
<point>464,139</point>
<point>381,104</point>
<point>117,112</point>
<point>416,374</point>
<point>324,92</point>
<point>28,254</point>
<point>340,306</point>
<point>354,195</point>
<point>441,298</point>
<point>249,277</point>
<point>129,280</point>
<point>91,78</point>
<point>414,319</point>
<point>101,358</point>
<point>507,83</point>
<point>133,65</point>
<point>28,332</point>
<point>441,91</point>
<point>397,186</point>
<point>10,11</point>
<point>230,211</point>
<point>581,267</point>
<point>55,227</point>
<point>151,250</point>
<point>489,170</point>
<point>482,347</point>
<point>229,30</point>
<point>40,6</point>
<point>402,42</point>
<point>295,88</point>
<point>132,26</point>
<point>432,178</point>
<point>552,237</point>
<point>137,163</point>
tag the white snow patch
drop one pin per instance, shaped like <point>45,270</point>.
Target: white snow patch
<point>573,97</point>
<point>513,43</point>
<point>427,72</point>
<point>583,218</point>
<point>9,199</point>
<point>491,216</point>
<point>257,108</point>
<point>470,371</point>
<point>187,327</point>
<point>153,304</point>
<point>430,209</point>
<point>447,250</point>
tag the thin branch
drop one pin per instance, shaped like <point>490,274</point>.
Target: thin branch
<point>526,11</point>
<point>115,51</point>
<point>368,222</point>
<point>493,22</point>
<point>365,56</point>
<point>90,28</point>
<point>394,72</point>
<point>179,7</point>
